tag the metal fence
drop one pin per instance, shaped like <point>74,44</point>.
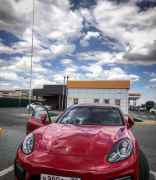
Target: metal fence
<point>13,102</point>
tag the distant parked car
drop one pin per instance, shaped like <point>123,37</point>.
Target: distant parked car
<point>49,108</point>
<point>142,109</point>
<point>32,106</point>
<point>153,110</point>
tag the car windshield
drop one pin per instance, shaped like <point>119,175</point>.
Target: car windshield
<point>92,116</point>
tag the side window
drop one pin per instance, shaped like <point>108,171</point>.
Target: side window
<point>106,101</point>
<point>38,111</point>
<point>117,102</point>
<point>96,100</point>
<point>75,100</point>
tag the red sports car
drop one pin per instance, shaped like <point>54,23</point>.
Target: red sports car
<point>87,142</point>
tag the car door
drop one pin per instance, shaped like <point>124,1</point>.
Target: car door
<point>35,121</point>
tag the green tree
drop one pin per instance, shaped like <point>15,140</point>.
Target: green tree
<point>149,105</point>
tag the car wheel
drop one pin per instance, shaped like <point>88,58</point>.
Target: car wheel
<point>144,167</point>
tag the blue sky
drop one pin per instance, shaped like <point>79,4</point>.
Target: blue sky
<point>94,39</point>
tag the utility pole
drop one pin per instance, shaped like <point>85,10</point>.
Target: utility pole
<point>32,52</point>
<point>63,88</point>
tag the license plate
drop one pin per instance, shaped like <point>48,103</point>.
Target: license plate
<point>52,177</point>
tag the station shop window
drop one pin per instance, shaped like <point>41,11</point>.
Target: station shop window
<point>117,102</point>
<point>96,100</point>
<point>75,100</point>
<point>106,101</point>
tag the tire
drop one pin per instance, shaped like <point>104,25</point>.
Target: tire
<point>144,167</point>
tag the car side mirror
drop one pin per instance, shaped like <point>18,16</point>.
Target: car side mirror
<point>43,118</point>
<point>53,119</point>
<point>129,122</point>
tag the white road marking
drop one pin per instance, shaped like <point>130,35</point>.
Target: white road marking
<point>153,173</point>
<point>11,168</point>
<point>6,171</point>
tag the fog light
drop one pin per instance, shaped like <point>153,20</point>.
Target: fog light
<point>19,172</point>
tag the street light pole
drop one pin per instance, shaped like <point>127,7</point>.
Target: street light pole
<point>32,52</point>
<point>64,92</point>
<point>63,87</point>
<point>66,96</point>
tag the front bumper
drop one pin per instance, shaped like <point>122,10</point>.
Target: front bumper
<point>21,174</point>
<point>25,169</point>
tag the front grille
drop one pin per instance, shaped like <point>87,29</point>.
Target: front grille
<point>124,178</point>
<point>35,177</point>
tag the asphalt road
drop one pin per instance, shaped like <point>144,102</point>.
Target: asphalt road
<point>13,121</point>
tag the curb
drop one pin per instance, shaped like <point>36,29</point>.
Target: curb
<point>146,122</point>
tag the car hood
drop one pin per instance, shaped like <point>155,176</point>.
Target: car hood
<point>79,140</point>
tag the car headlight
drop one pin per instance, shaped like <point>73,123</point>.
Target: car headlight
<point>28,143</point>
<point>122,150</point>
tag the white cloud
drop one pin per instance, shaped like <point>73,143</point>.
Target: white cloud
<point>5,49</point>
<point>153,80</point>
<point>23,64</point>
<point>97,72</point>
<point>71,69</point>
<point>56,26</point>
<point>7,75</point>
<point>54,21</point>
<point>39,82</point>
<point>89,35</point>
<point>87,15</point>
<point>58,77</point>
<point>62,48</point>
<point>99,56</point>
<point>152,74</point>
<point>93,71</point>
<point>67,61</point>
<point>130,27</point>
<point>118,73</point>
<point>15,16</point>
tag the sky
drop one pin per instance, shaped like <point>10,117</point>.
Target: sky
<point>86,40</point>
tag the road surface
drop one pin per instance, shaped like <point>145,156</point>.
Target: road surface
<point>12,132</point>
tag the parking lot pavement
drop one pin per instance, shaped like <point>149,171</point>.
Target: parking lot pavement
<point>13,122</point>
<point>146,137</point>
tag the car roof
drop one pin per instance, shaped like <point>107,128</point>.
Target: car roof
<point>95,105</point>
